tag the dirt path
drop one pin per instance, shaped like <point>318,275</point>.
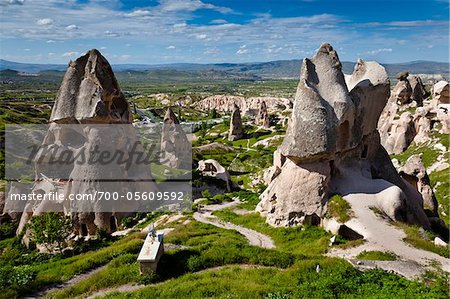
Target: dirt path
<point>119,289</point>
<point>254,238</point>
<point>382,236</point>
<point>74,280</point>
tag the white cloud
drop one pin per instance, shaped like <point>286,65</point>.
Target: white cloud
<point>201,36</point>
<point>273,49</point>
<point>70,54</point>
<point>138,13</point>
<point>378,51</point>
<point>72,27</point>
<point>103,48</point>
<point>44,22</point>
<point>242,50</point>
<point>27,50</point>
<point>50,41</point>
<point>170,47</point>
<point>190,5</point>
<point>111,34</point>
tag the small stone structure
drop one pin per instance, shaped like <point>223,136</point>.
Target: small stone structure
<point>151,251</point>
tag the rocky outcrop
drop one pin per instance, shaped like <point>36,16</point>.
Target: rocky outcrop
<point>441,92</point>
<point>402,91</point>
<point>397,134</point>
<point>90,91</point>
<point>236,130</point>
<point>90,116</point>
<point>176,150</point>
<point>422,124</point>
<point>332,146</point>
<point>415,174</point>
<point>212,168</point>
<point>248,106</point>
<point>419,93</point>
<point>262,117</point>
<point>443,116</point>
<point>272,172</point>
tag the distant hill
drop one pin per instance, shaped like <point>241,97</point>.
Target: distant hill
<point>271,69</point>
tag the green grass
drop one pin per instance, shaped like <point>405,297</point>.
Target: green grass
<point>336,279</point>
<point>440,181</point>
<point>249,199</point>
<point>339,209</point>
<point>62,269</point>
<point>376,256</point>
<point>309,241</point>
<point>121,270</point>
<point>422,240</point>
<point>210,246</point>
<point>429,154</point>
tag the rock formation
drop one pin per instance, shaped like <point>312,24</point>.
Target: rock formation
<point>262,117</point>
<point>441,92</point>
<point>418,90</point>
<point>176,150</point>
<point>236,131</point>
<point>248,106</point>
<point>422,124</point>
<point>272,172</point>
<point>90,91</point>
<point>332,146</point>
<point>402,91</point>
<point>90,115</point>
<point>397,134</point>
<point>443,116</point>
<point>212,168</point>
<point>414,173</point>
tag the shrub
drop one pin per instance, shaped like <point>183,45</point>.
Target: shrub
<point>206,194</point>
<point>49,229</point>
<point>8,230</point>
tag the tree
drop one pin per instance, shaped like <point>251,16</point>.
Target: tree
<point>49,229</point>
<point>213,113</point>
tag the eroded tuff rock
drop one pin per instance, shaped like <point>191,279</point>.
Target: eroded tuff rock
<point>262,117</point>
<point>441,92</point>
<point>90,91</point>
<point>248,106</point>
<point>212,168</point>
<point>175,147</point>
<point>397,134</point>
<point>236,130</point>
<point>332,146</point>
<point>402,91</point>
<point>419,93</point>
<point>88,99</point>
<point>414,173</point>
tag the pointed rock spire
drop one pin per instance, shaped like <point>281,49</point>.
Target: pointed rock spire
<point>236,132</point>
<point>90,93</point>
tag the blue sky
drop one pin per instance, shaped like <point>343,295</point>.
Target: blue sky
<point>204,31</point>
